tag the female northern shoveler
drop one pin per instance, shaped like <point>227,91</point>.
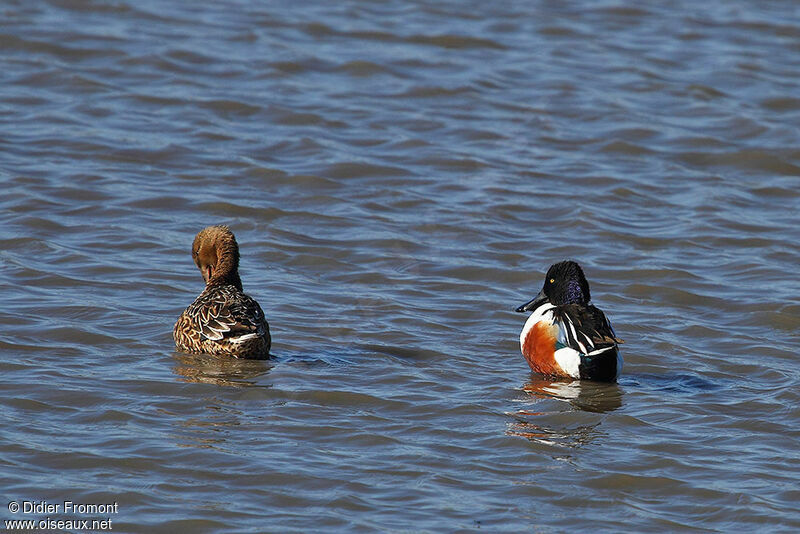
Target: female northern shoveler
<point>222,320</point>
<point>565,335</point>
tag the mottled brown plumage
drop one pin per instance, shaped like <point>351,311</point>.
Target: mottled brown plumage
<point>222,320</point>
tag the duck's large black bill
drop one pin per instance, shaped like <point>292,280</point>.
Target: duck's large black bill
<point>533,303</point>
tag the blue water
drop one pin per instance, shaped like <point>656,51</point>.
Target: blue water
<point>399,177</point>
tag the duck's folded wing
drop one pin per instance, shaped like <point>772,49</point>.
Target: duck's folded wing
<point>225,314</point>
<point>604,333</point>
<point>584,329</point>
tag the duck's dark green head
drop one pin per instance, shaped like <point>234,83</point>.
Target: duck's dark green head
<point>564,283</point>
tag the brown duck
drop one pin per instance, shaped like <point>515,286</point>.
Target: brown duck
<point>222,320</point>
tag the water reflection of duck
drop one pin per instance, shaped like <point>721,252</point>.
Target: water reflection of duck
<point>550,427</point>
<point>566,335</point>
<point>222,320</point>
<point>572,437</point>
<point>220,371</point>
<point>582,394</point>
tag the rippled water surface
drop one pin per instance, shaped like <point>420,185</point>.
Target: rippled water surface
<point>399,176</point>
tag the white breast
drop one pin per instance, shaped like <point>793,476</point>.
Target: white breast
<point>569,359</point>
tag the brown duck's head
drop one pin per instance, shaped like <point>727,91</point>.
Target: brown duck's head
<point>216,254</point>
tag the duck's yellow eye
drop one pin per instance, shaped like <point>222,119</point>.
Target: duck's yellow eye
<point>552,280</point>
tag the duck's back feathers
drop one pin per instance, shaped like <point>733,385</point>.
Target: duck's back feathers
<point>585,328</point>
<point>223,320</point>
<point>588,345</point>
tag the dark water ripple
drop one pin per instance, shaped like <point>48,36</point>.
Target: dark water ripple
<point>399,177</point>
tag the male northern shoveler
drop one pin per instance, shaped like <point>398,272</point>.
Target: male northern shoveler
<point>565,335</point>
<point>222,320</point>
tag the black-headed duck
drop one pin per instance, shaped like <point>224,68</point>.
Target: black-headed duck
<point>566,336</point>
